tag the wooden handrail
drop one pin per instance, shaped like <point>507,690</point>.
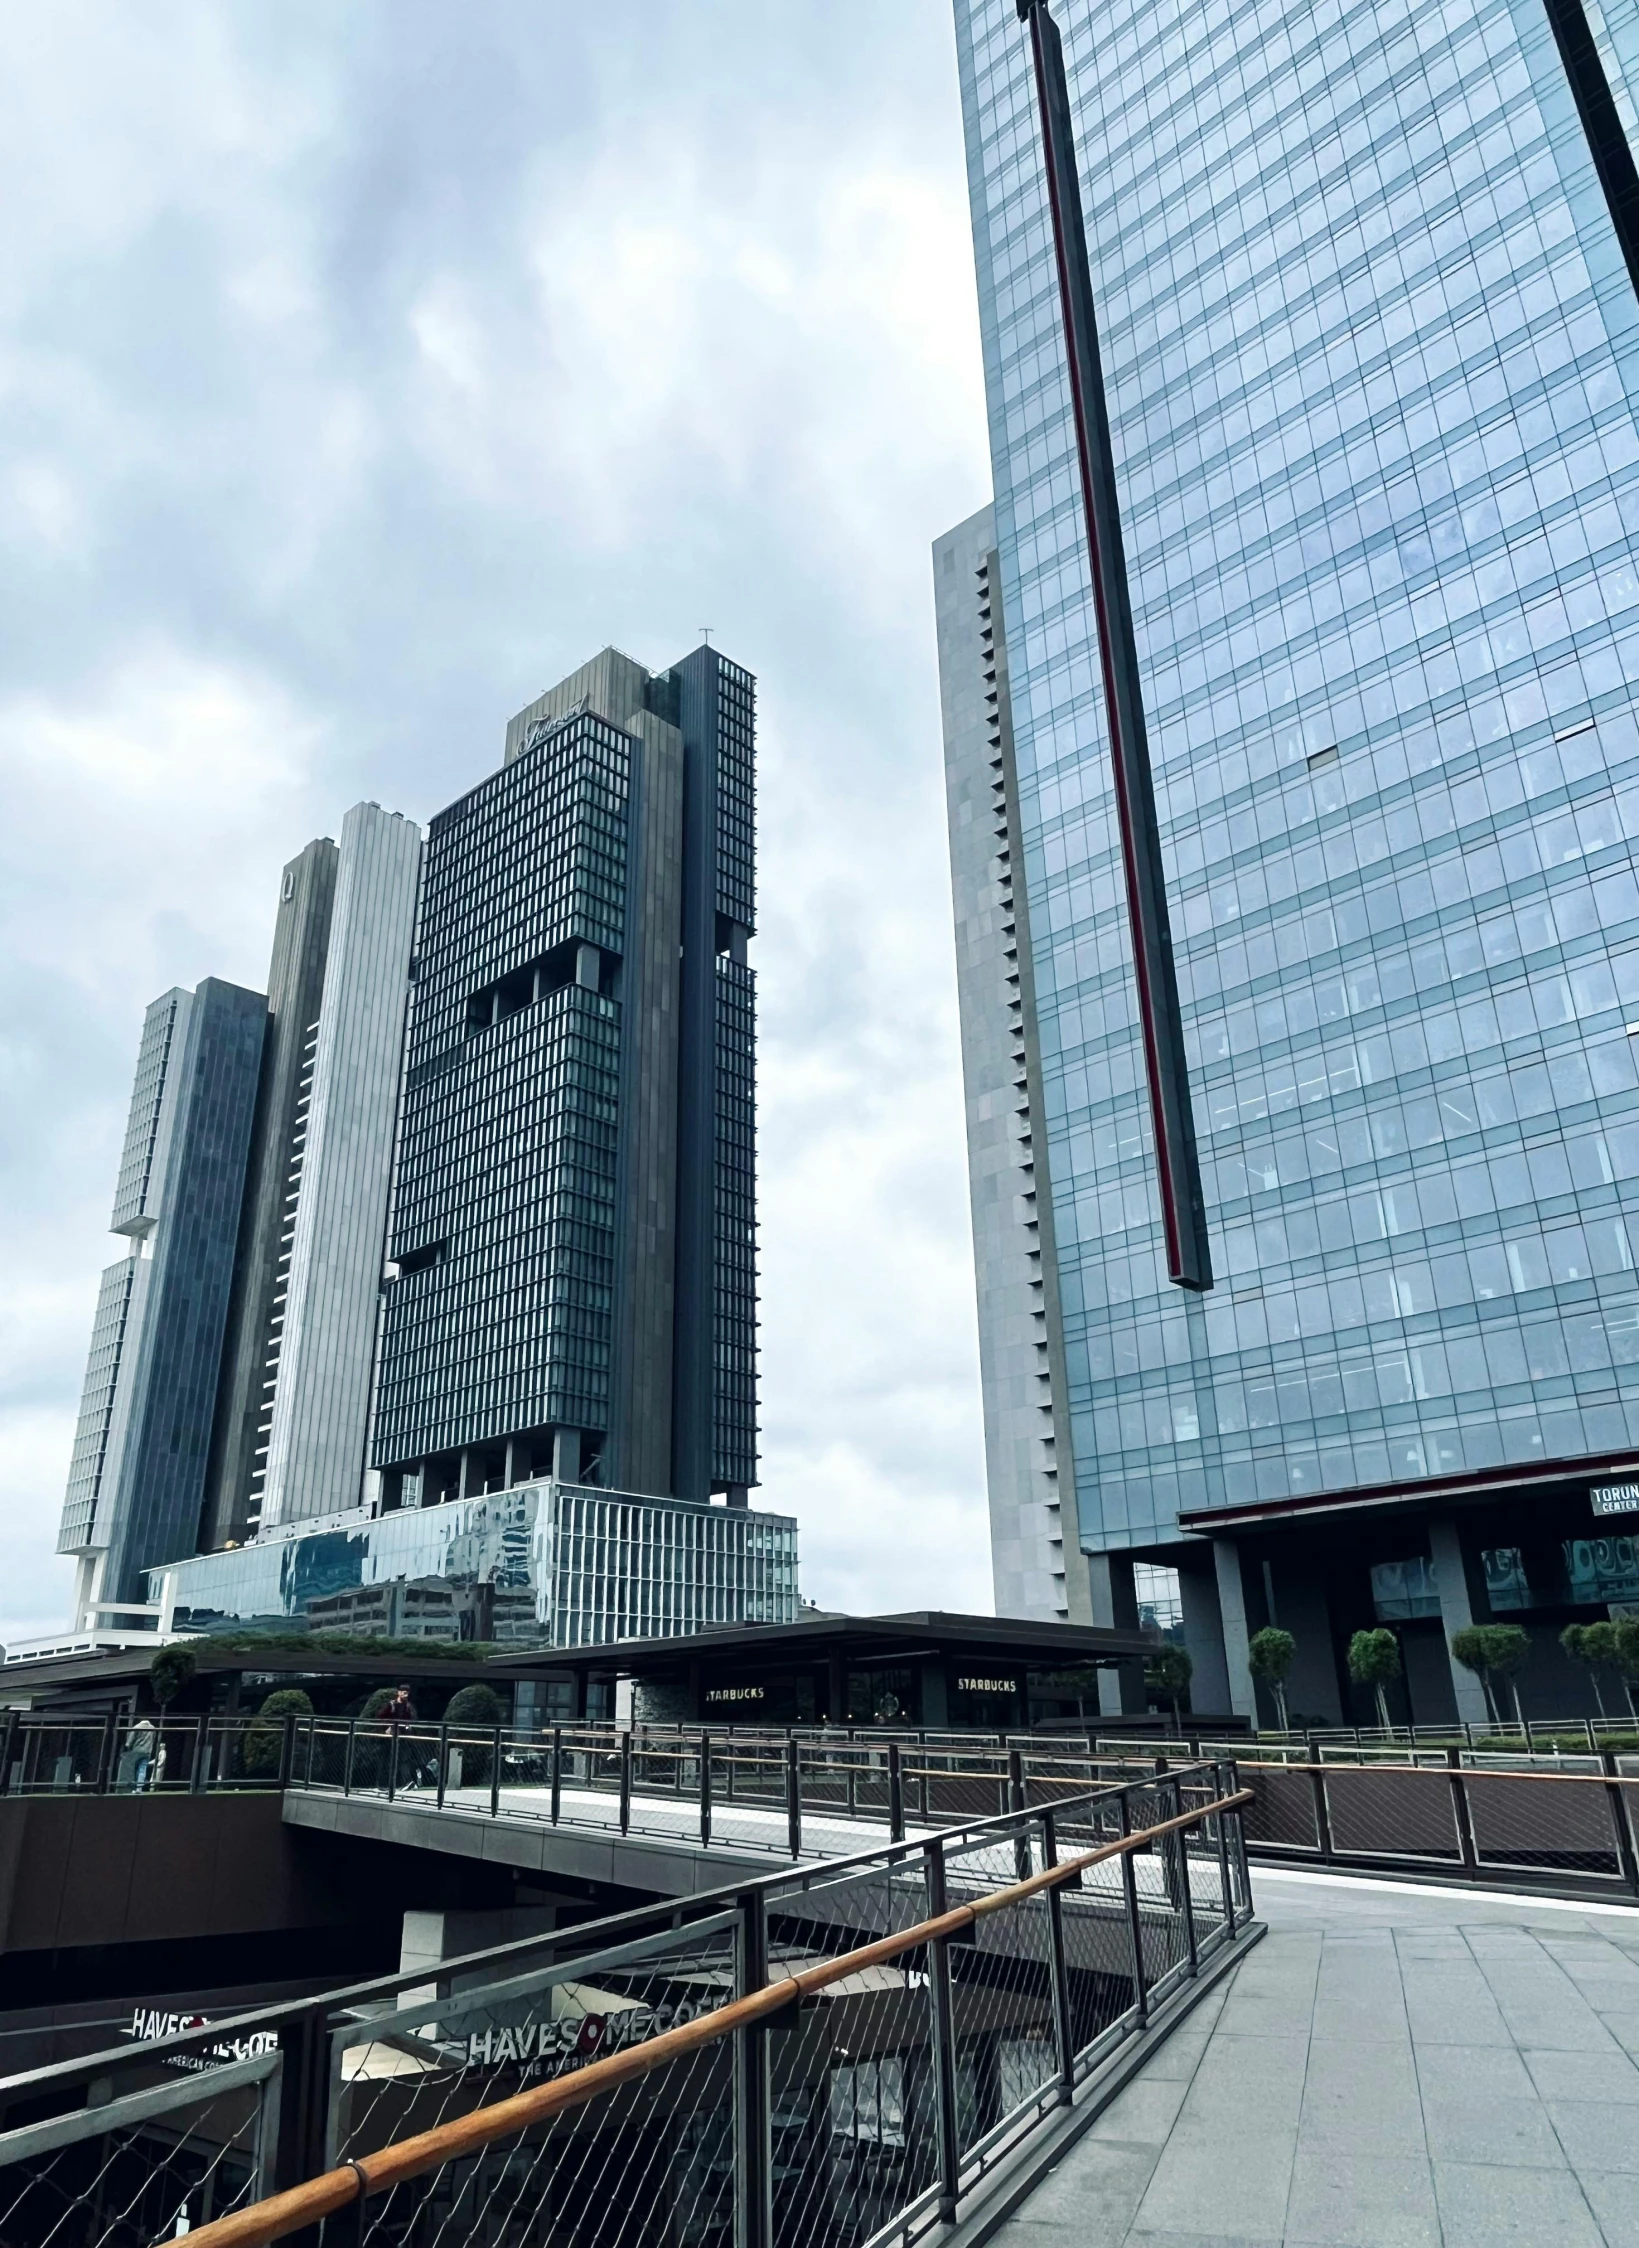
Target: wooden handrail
<point>321,2197</point>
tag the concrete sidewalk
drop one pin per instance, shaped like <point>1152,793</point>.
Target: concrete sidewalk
<point>1390,2068</point>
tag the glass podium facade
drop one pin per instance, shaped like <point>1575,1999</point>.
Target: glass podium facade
<point>550,1564</point>
<point>1371,345</point>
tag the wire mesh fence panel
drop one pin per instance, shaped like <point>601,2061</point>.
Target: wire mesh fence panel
<point>441,2055</point>
<point>1283,1813</point>
<point>853,2118</point>
<point>1001,1976</point>
<point>1395,1812</point>
<point>648,2165</point>
<point>1547,1824</point>
<point>170,2156</point>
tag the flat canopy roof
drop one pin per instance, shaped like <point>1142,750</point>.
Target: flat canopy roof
<point>919,1634</point>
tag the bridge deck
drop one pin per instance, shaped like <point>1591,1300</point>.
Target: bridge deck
<point>1391,2068</point>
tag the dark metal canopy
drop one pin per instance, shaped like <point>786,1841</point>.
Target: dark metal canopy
<point>920,1634</point>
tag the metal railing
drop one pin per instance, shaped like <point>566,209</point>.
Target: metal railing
<point>794,1795</point>
<point>1550,1821</point>
<point>805,2061</point>
<point>42,1754</point>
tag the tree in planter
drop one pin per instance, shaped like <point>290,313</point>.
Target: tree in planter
<point>1374,1659</point>
<point>1271,1655</point>
<point>1168,1672</point>
<point>1594,1647</point>
<point>264,1739</point>
<point>1625,1648</point>
<point>170,1670</point>
<point>475,1709</point>
<point>1507,1646</point>
<point>1470,1648</point>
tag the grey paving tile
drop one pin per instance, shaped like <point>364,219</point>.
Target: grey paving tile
<point>1497,2131</point>
<point>1180,2056</point>
<point>1265,2014</point>
<point>1615,2205</point>
<point>1487,2205</point>
<point>1249,2083</point>
<point>1145,2238</point>
<point>1362,2100</point>
<point>1359,2201</point>
<point>1092,2197</point>
<point>1026,2232</point>
<point>1473,2072</point>
<point>1603,2076</point>
<point>1218,2180</point>
<point>1595,2135</point>
<point>1144,2113</point>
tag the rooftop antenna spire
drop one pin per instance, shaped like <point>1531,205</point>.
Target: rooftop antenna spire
<point>1166,1069</point>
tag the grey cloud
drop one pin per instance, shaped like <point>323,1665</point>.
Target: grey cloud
<point>363,372</point>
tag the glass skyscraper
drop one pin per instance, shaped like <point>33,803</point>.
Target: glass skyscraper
<point>1365,278</point>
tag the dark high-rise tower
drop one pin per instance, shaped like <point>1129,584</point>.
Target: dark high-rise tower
<point>572,1245</point>
<point>137,1483</point>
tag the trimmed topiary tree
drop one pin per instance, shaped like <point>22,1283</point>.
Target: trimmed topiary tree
<point>1507,1646</point>
<point>1374,1659</point>
<point>1168,1672</point>
<point>1271,1654</point>
<point>1469,1648</point>
<point>475,1709</point>
<point>265,1737</point>
<point>1624,1644</point>
<point>171,1670</point>
<point>1594,1647</point>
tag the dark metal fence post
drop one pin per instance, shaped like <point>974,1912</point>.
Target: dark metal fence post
<point>8,1750</point>
<point>625,1783</point>
<point>392,1763</point>
<point>753,2152</point>
<point>301,2148</point>
<point>1620,1821</point>
<point>944,2038</point>
<point>443,1760</point>
<point>557,1773</point>
<point>199,1775</point>
<point>705,1791</point>
<point>352,1747</point>
<point>1460,1812</point>
<point>793,1796</point>
<point>896,1794</point>
<point>1323,1809</point>
<point>287,1748</point>
<point>495,1775</point>
<point>105,1755</point>
<point>1221,1788</point>
<point>1063,2025</point>
<point>1186,1902</point>
<point>1135,1926</point>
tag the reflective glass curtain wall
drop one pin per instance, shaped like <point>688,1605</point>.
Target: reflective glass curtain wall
<point>1370,343</point>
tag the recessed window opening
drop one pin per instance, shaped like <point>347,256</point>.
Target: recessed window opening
<point>1321,757</point>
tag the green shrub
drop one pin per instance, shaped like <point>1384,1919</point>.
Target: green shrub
<point>264,1739</point>
<point>171,1670</point>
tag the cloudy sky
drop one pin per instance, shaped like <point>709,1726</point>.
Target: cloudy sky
<point>364,369</point>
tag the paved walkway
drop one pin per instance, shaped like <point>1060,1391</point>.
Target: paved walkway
<point>1389,2068</point>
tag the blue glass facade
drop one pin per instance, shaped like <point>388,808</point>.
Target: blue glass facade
<point>1372,349</point>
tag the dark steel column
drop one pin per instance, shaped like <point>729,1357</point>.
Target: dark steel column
<point>1178,1171</point>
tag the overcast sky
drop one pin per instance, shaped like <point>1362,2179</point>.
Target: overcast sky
<point>364,370</point>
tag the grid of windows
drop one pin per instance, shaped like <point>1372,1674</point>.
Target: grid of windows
<point>133,1194</point>
<point>563,1566</point>
<point>85,1472</point>
<point>1370,347</point>
<point>734,1228</point>
<point>736,794</point>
